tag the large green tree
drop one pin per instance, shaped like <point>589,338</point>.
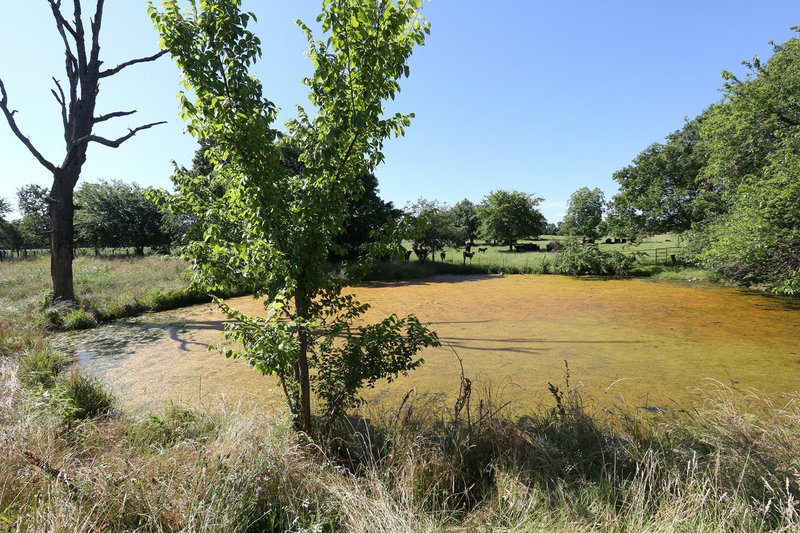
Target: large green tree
<point>34,222</point>
<point>584,214</point>
<point>661,190</point>
<point>273,227</point>
<point>508,216</point>
<point>753,139</point>
<point>117,214</point>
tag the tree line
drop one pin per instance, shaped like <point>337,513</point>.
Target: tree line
<point>108,214</point>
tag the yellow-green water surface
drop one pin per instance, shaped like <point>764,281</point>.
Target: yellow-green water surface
<point>649,344</point>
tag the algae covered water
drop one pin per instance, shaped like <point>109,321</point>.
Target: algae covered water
<point>650,344</point>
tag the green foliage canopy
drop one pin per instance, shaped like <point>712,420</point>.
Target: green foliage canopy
<point>465,217</point>
<point>507,216</point>
<point>584,214</point>
<point>432,228</point>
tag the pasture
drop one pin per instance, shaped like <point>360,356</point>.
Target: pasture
<point>495,259</point>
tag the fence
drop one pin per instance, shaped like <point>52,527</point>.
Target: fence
<point>660,256</point>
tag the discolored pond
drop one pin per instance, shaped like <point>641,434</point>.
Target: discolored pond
<point>650,344</point>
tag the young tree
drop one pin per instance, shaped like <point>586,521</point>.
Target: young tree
<point>507,216</point>
<point>274,225</point>
<point>78,119</point>
<point>584,213</point>
<point>465,217</point>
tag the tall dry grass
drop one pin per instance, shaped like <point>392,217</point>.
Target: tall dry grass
<point>730,465</point>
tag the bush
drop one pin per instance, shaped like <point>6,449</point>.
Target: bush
<point>578,259</point>
<point>177,424</point>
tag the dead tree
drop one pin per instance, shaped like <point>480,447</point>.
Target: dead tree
<point>77,101</point>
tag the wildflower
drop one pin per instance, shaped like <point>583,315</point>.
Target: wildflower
<point>259,489</point>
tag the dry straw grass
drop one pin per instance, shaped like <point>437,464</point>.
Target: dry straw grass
<point>730,466</point>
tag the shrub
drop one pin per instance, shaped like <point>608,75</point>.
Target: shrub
<point>177,424</point>
<point>578,259</point>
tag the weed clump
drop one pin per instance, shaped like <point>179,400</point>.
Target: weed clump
<point>42,368</point>
<point>85,397</point>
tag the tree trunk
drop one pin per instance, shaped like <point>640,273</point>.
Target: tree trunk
<point>62,233</point>
<point>301,368</point>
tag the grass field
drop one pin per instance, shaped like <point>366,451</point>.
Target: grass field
<point>499,259</point>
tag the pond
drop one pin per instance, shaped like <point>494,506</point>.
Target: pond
<point>649,344</point>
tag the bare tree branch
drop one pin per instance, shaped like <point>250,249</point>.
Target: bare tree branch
<point>116,143</point>
<point>61,22</point>
<point>115,114</point>
<point>13,125</point>
<point>80,44</point>
<point>115,70</point>
<point>62,101</point>
<point>97,21</point>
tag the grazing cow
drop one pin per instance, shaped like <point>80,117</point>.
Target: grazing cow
<point>482,250</point>
<point>468,255</point>
<point>624,240</point>
<point>441,256</point>
<point>407,255</point>
<point>609,241</point>
<point>616,240</point>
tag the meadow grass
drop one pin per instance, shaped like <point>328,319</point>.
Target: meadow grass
<point>499,259</point>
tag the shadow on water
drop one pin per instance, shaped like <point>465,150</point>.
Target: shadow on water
<point>432,280</point>
<point>101,349</point>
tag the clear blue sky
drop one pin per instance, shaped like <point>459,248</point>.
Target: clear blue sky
<point>543,97</point>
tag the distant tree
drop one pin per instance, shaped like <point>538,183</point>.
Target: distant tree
<point>117,214</point>
<point>5,225</point>
<point>34,222</point>
<point>507,216</point>
<point>465,217</point>
<point>433,227</point>
<point>78,118</point>
<point>552,228</point>
<point>584,214</point>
